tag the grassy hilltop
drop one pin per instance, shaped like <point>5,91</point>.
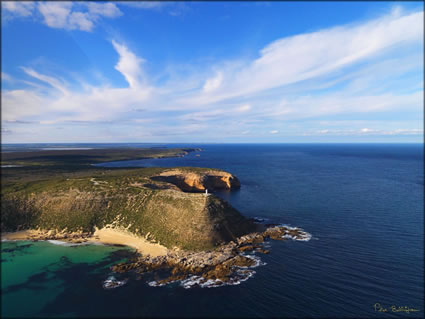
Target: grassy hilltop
<point>56,190</point>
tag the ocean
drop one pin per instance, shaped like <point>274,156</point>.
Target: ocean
<point>362,203</point>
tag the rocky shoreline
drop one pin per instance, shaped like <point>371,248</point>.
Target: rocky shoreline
<point>227,264</point>
<point>77,237</point>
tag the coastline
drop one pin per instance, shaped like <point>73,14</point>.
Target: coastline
<point>106,236</point>
<point>228,264</point>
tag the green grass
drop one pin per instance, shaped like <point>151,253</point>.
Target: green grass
<point>63,191</point>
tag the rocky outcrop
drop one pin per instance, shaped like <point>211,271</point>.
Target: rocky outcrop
<point>225,264</point>
<point>189,181</point>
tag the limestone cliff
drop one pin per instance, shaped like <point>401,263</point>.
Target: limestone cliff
<point>189,181</point>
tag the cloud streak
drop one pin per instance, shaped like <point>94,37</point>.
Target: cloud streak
<point>337,72</point>
<point>71,15</point>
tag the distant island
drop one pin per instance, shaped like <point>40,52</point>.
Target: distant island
<point>169,215</point>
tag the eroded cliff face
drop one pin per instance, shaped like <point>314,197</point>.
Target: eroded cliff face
<point>199,181</point>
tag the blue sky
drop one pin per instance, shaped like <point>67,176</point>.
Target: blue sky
<point>212,72</point>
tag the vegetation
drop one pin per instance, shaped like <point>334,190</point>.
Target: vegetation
<point>64,193</point>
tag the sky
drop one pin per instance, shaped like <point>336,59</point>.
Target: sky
<point>217,72</point>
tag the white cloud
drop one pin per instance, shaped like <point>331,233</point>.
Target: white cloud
<point>5,130</point>
<point>6,77</point>
<point>62,14</point>
<point>78,15</point>
<point>109,10</point>
<point>293,79</point>
<point>311,55</point>
<point>144,4</point>
<point>213,83</point>
<point>56,14</point>
<point>58,104</point>
<point>21,9</point>
<point>129,65</point>
<point>368,131</point>
<point>80,20</point>
<point>244,108</point>
<point>55,83</point>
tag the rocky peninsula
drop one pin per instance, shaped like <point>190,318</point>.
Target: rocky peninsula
<point>177,228</point>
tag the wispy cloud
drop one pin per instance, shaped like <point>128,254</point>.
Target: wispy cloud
<point>311,55</point>
<point>129,65</point>
<point>70,15</point>
<point>75,15</point>
<point>368,131</point>
<point>62,14</point>
<point>336,72</point>
<point>18,9</point>
<point>145,4</point>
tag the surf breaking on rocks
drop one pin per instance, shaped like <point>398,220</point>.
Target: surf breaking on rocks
<point>227,264</point>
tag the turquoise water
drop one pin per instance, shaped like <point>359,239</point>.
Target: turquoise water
<point>33,274</point>
<point>362,203</point>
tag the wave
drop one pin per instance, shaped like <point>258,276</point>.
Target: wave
<point>240,275</point>
<point>301,236</point>
<point>258,261</point>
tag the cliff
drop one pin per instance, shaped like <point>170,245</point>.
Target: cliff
<point>199,181</point>
<point>163,207</point>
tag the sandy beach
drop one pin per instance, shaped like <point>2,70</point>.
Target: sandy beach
<point>104,236</point>
<point>122,237</point>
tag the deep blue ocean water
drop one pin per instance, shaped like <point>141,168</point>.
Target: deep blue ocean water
<point>362,203</point>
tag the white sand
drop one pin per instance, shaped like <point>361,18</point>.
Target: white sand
<point>19,235</point>
<point>105,236</point>
<point>122,237</point>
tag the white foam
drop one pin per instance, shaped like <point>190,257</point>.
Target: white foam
<point>257,259</point>
<point>289,227</point>
<point>246,273</point>
<point>302,236</point>
<point>64,243</point>
<point>155,284</point>
<point>241,274</point>
<point>112,282</point>
<point>201,282</point>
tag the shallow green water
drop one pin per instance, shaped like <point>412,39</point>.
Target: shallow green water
<point>33,274</point>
